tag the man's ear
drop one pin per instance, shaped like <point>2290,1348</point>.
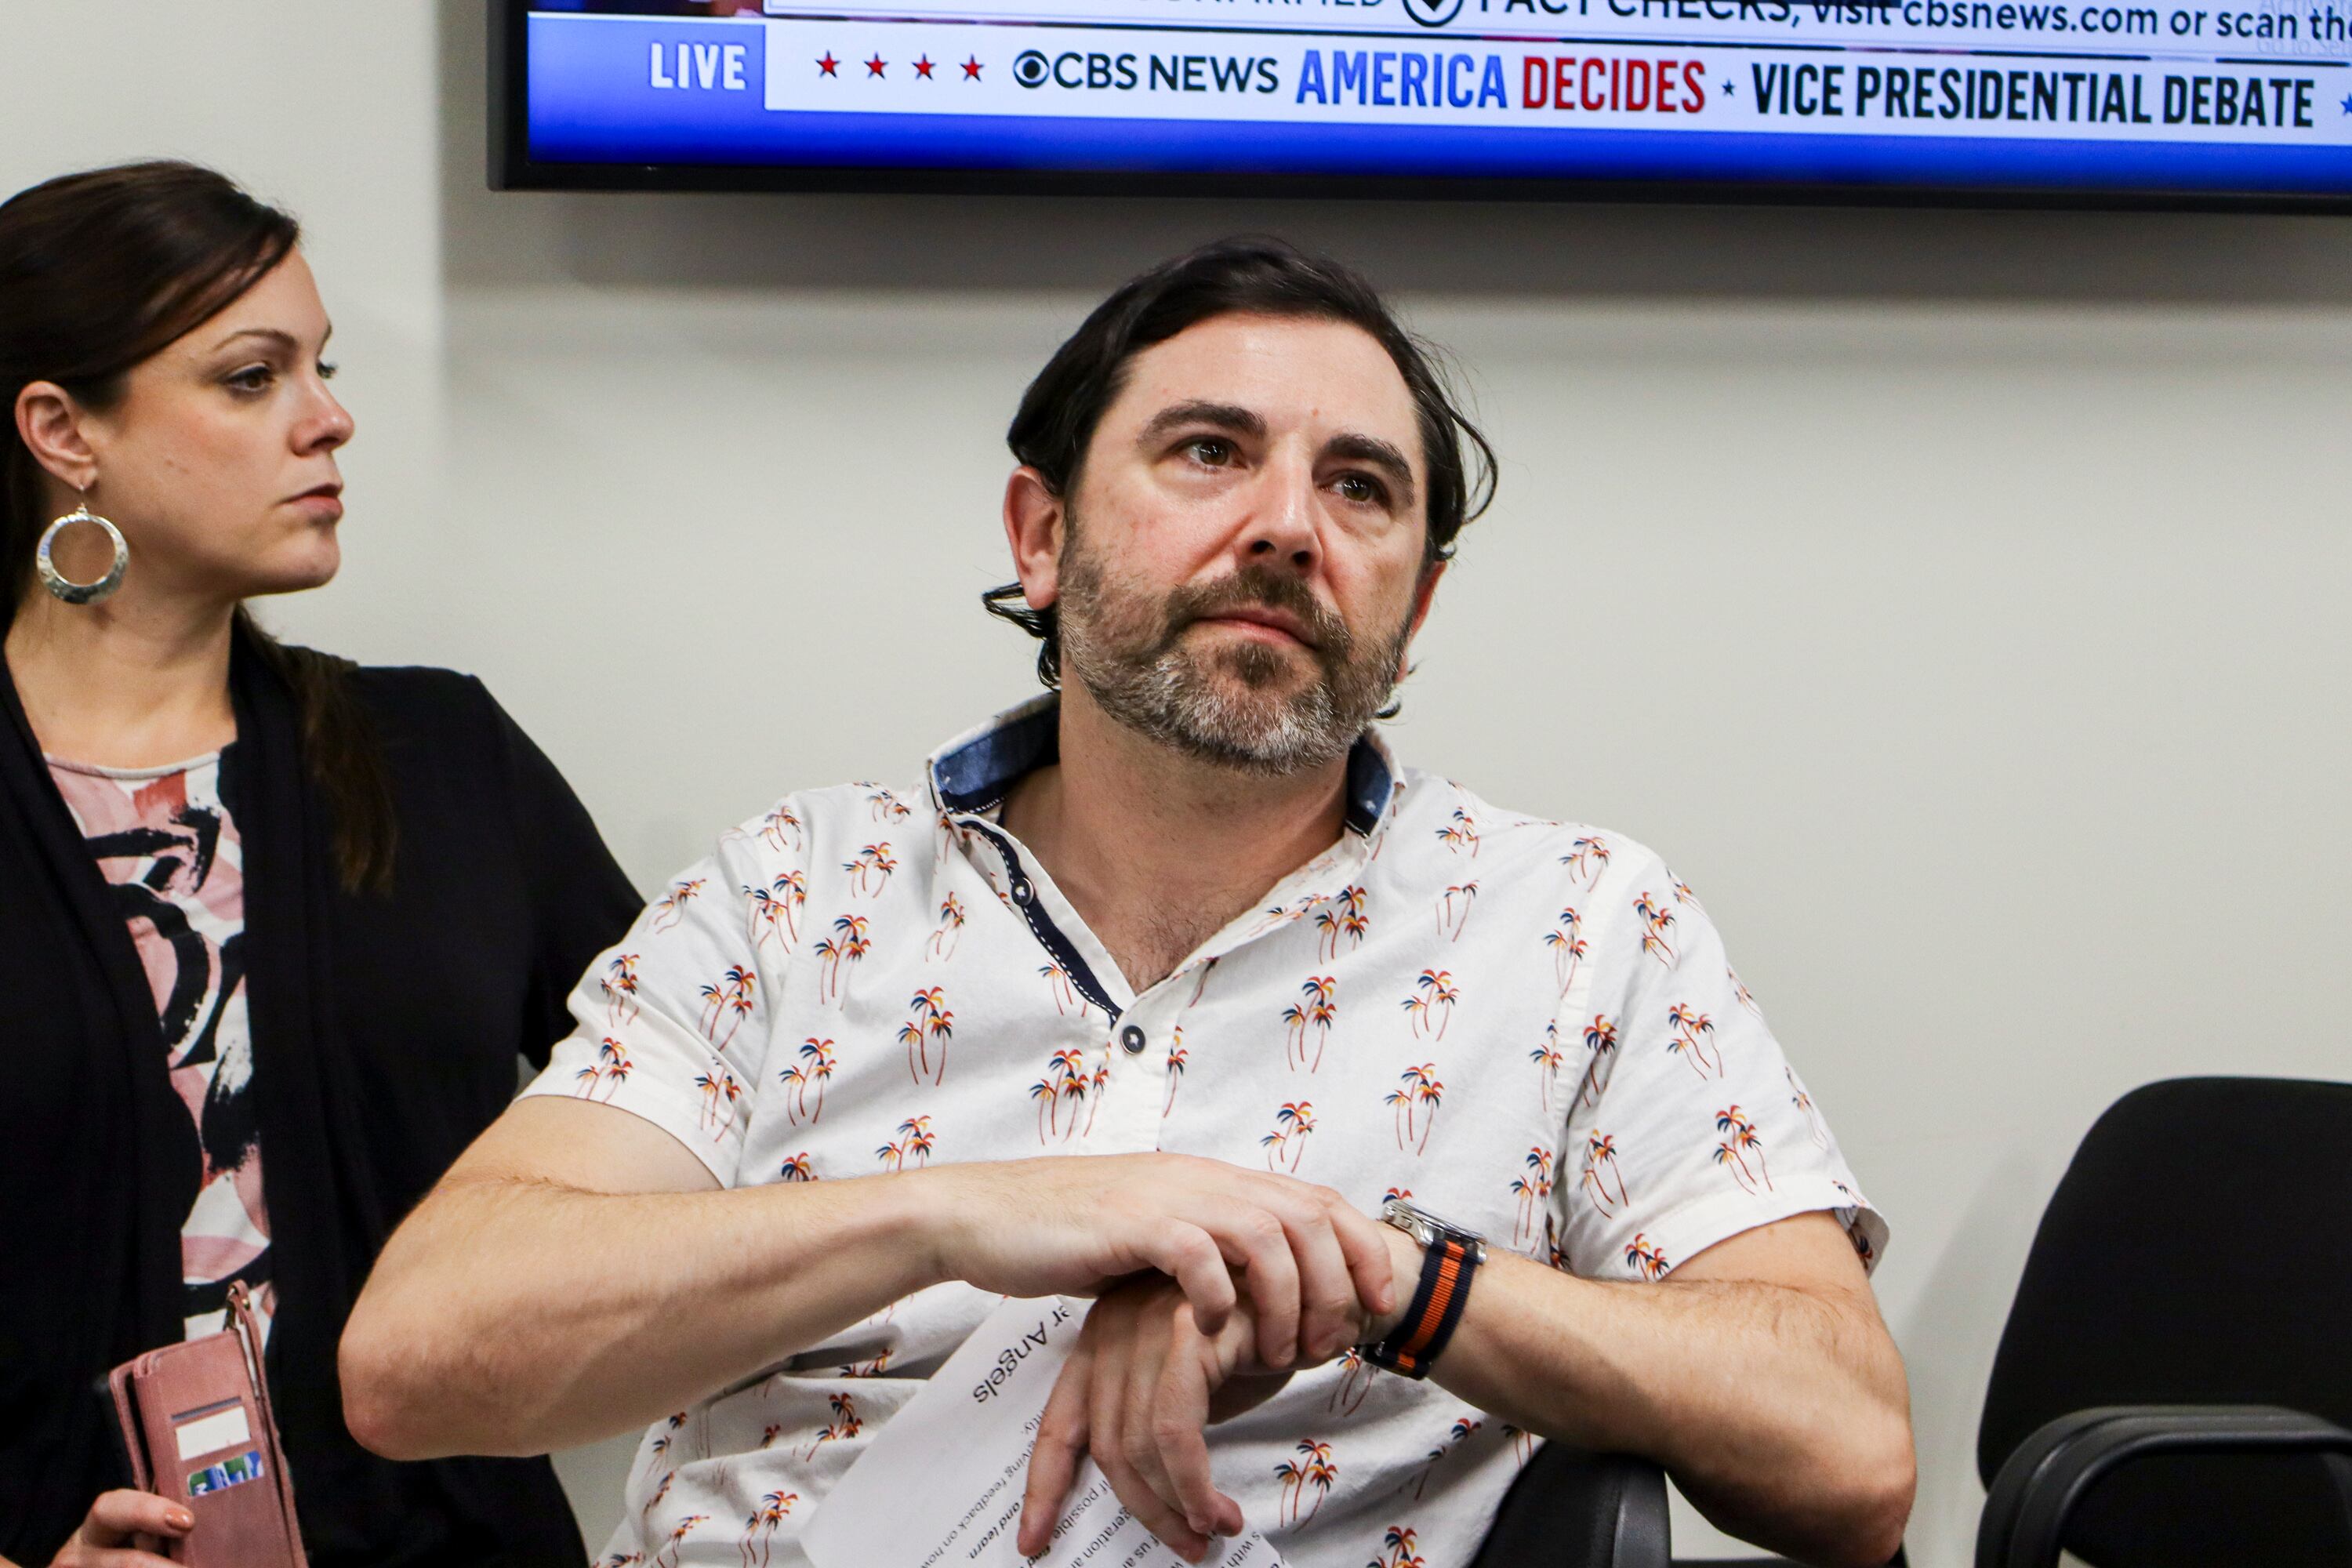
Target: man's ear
<point>1033,520</point>
<point>1423,596</point>
<point>50,421</point>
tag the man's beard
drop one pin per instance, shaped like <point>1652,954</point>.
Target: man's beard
<point>1223,705</point>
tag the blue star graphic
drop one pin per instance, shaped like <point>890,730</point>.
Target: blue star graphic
<point>2348,103</point>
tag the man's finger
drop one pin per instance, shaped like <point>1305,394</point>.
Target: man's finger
<point>1191,1256</point>
<point>1329,1312</point>
<point>1255,1241</point>
<point>1141,1375</point>
<point>1053,1462</point>
<point>1105,1411</point>
<point>1147,1353</point>
<point>1364,1240</point>
<point>1149,1509</point>
<point>1180,1415</point>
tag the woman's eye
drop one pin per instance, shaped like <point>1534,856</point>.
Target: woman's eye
<point>327,369</point>
<point>253,378</point>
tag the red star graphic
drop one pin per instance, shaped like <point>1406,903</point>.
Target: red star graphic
<point>874,66</point>
<point>972,69</point>
<point>824,66</point>
<point>923,68</point>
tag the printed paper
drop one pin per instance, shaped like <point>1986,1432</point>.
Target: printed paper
<point>940,1487</point>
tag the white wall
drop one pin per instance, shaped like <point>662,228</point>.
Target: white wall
<point>1953,596</point>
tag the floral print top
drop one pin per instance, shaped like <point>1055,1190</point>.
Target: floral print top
<point>1530,1027</point>
<point>171,855</point>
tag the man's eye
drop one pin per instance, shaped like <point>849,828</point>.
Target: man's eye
<point>1362,488</point>
<point>1211,450</point>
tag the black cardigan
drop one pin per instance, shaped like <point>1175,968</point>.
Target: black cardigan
<point>385,1029</point>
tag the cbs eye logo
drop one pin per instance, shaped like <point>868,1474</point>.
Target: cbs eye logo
<point>1031,68</point>
<point>1433,13</point>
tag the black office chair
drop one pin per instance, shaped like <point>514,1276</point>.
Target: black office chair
<point>1574,1509</point>
<point>2174,1387</point>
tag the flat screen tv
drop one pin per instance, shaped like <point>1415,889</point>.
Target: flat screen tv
<point>2063,102</point>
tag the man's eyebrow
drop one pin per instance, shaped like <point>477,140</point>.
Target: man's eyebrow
<point>1221,415</point>
<point>1380,453</point>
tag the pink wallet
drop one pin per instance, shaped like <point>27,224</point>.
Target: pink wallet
<point>197,1426</point>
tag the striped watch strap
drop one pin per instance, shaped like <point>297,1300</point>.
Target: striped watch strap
<point>1436,1307</point>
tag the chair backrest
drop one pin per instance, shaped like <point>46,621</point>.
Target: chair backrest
<point>2199,1250</point>
<point>1570,1508</point>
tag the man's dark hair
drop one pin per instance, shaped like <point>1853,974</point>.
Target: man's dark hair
<point>1257,276</point>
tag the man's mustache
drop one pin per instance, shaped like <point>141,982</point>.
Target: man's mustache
<point>1259,587</point>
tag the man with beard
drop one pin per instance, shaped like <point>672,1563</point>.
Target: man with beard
<point>1160,988</point>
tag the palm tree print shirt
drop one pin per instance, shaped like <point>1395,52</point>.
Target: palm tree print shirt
<point>1530,1027</point>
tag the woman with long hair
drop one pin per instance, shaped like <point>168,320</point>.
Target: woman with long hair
<point>273,927</point>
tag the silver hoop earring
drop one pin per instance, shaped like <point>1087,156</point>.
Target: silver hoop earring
<point>64,588</point>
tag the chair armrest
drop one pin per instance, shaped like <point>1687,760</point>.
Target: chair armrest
<point>1568,1509</point>
<point>2025,1513</point>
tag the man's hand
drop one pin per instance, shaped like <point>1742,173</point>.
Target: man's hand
<point>1137,1394</point>
<point>1310,1265</point>
<point>572,1235</point>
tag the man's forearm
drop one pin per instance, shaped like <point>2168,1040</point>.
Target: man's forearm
<point>519,1310</point>
<point>1782,1412</point>
<point>584,1314</point>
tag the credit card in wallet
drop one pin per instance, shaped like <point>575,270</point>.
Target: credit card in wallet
<point>234,1471</point>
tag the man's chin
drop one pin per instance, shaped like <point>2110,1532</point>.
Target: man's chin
<point>1256,671</point>
<point>1253,731</point>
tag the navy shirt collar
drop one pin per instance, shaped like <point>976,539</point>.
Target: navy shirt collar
<point>973,772</point>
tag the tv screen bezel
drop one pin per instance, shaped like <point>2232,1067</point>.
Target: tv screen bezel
<point>512,168</point>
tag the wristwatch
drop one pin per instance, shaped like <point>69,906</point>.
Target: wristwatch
<point>1450,1256</point>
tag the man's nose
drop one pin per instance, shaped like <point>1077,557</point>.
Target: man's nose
<point>1282,531</point>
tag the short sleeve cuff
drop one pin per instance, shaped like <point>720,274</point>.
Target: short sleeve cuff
<point>1687,1231</point>
<point>685,1116</point>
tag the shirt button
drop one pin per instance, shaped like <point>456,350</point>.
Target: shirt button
<point>1021,892</point>
<point>1132,1038</point>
